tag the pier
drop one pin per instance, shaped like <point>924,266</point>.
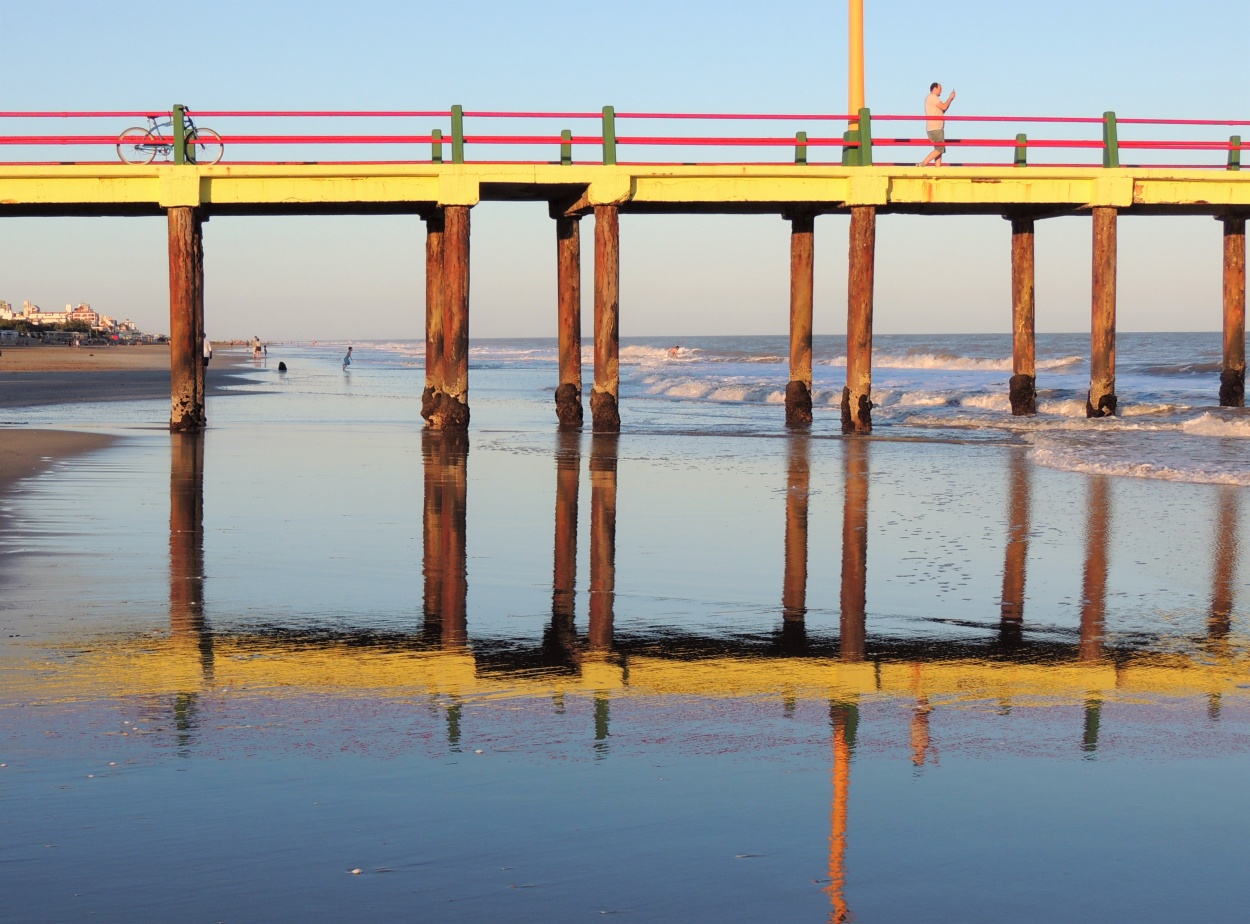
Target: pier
<point>790,182</point>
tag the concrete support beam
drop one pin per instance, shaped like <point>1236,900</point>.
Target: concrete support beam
<point>569,321</point>
<point>605,396</point>
<point>857,396</point>
<point>799,389</point>
<point>1233,375</point>
<point>186,319</point>
<point>1102,399</point>
<point>1023,339</point>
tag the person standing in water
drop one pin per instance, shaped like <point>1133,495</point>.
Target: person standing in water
<point>347,358</point>
<point>935,125</point>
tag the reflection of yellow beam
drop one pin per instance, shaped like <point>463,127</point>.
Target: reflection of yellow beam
<point>729,187</point>
<point>169,665</point>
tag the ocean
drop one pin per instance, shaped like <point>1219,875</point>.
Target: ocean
<point>320,664</point>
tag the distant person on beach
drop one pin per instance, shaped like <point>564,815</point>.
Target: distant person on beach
<point>208,351</point>
<point>935,125</point>
<point>347,358</point>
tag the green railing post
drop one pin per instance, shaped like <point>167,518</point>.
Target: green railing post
<point>1110,141</point>
<point>800,148</point>
<point>436,146</point>
<point>179,123</point>
<point>1022,150</point>
<point>850,152</point>
<point>1234,152</point>
<point>566,148</point>
<point>457,134</point>
<point>609,135</point>
<point>865,138</point>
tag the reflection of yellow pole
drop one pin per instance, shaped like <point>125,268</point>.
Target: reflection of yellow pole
<point>855,61</point>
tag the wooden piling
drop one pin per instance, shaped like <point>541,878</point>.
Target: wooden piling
<point>186,319</point>
<point>1233,375</point>
<point>1017,539</point>
<point>452,408</point>
<point>603,455</point>
<point>857,396</point>
<point>604,397</point>
<point>1094,582</point>
<point>434,230</point>
<point>799,389</point>
<point>1102,400</point>
<point>854,593</point>
<point>1023,385</point>
<point>569,324</point>
<point>794,588</point>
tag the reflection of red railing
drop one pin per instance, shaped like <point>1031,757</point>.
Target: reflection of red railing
<point>440,136</point>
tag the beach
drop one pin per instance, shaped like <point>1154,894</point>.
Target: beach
<point>319,663</point>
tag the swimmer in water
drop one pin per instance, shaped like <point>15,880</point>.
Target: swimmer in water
<point>675,351</point>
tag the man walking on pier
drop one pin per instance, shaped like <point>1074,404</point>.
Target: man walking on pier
<point>934,108</point>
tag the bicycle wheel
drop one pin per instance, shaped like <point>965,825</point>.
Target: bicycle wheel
<point>136,146</point>
<point>204,145</point>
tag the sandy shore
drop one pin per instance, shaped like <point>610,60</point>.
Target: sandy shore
<point>40,375</point>
<point>26,452</point>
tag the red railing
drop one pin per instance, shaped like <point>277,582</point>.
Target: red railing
<point>424,136</point>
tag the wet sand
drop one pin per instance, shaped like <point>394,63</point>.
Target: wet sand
<point>43,375</point>
<point>27,452</point>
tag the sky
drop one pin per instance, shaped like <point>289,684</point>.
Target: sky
<point>350,277</point>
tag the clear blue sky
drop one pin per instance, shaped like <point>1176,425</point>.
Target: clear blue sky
<point>361,278</point>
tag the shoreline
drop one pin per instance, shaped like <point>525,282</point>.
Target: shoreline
<point>24,453</point>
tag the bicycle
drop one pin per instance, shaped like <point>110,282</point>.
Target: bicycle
<point>143,145</point>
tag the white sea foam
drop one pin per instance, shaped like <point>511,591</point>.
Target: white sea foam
<point>1073,459</point>
<point>1212,425</point>
<point>951,362</point>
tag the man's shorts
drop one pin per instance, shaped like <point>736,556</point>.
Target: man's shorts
<point>938,137</point>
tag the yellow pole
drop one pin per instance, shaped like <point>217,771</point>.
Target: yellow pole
<point>855,61</point>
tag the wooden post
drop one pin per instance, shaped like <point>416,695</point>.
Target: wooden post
<point>604,397</point>
<point>794,588</point>
<point>1102,400</point>
<point>1017,539</point>
<point>857,396</point>
<point>603,454</point>
<point>1094,584</point>
<point>186,319</point>
<point>799,390</point>
<point>564,576</point>
<point>452,409</point>
<point>1233,376</point>
<point>569,323</point>
<point>854,595</point>
<point>1023,341</point>
<point>434,284</point>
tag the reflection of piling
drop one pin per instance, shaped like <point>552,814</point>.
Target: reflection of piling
<point>1233,375</point>
<point>1224,581</point>
<point>604,397</point>
<point>854,550</point>
<point>1023,341</point>
<point>845,720</point>
<point>1017,539</point>
<point>799,390</point>
<point>794,588</point>
<point>187,620</point>
<point>857,396</point>
<point>445,455</point>
<point>186,318</point>
<point>564,578</point>
<point>569,320</point>
<point>1102,400</point>
<point>1094,585</point>
<point>431,396</point>
<point>432,537</point>
<point>603,456</point>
